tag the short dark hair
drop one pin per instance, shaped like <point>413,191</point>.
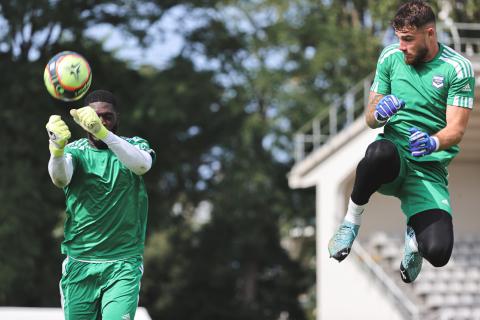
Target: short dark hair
<point>101,96</point>
<point>413,14</point>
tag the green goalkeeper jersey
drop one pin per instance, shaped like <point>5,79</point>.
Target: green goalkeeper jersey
<point>106,204</point>
<point>427,89</point>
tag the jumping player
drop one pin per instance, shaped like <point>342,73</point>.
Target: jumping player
<point>422,95</point>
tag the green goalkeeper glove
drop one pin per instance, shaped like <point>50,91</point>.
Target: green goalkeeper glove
<point>88,119</point>
<point>58,133</point>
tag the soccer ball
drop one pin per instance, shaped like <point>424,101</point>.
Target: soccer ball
<point>67,76</point>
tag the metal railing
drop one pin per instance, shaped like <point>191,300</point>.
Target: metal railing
<point>332,120</point>
<point>463,37</point>
<point>407,307</point>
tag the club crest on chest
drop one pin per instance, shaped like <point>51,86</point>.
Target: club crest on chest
<point>437,81</point>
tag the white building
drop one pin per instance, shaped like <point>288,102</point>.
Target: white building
<point>367,284</point>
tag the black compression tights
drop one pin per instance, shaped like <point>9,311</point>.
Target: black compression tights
<point>433,228</point>
<point>434,233</point>
<point>380,165</point>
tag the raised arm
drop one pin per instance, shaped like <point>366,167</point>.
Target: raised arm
<point>60,166</point>
<point>138,161</point>
<point>60,170</point>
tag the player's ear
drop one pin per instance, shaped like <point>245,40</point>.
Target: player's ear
<point>430,31</point>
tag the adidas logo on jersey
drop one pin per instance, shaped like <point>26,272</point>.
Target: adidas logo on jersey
<point>466,88</point>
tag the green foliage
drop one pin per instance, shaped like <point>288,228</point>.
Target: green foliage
<point>221,117</point>
<point>236,257</point>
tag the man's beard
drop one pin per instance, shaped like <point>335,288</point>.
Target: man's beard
<point>99,144</point>
<point>419,57</point>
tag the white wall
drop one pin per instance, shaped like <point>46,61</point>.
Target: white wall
<point>344,290</point>
<point>351,293</point>
<point>464,185</point>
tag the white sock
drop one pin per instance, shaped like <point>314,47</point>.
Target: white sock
<point>412,242</point>
<point>354,213</point>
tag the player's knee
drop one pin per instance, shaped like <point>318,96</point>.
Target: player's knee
<point>434,234</point>
<point>438,254</point>
<point>381,152</point>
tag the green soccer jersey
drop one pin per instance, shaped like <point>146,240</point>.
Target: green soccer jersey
<point>106,204</point>
<point>427,89</point>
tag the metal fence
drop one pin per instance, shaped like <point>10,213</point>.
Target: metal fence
<point>465,38</point>
<point>332,120</point>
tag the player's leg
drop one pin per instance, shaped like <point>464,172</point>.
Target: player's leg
<point>426,203</point>
<point>79,292</point>
<point>429,235</point>
<point>120,296</point>
<point>380,165</point>
<point>434,234</point>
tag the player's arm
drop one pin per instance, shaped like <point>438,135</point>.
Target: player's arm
<point>373,100</point>
<point>422,144</point>
<point>381,108</point>
<point>60,166</point>
<point>459,105</point>
<point>60,170</point>
<point>138,161</point>
<point>382,105</point>
<point>452,134</point>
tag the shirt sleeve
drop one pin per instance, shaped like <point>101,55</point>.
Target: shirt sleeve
<point>134,154</point>
<point>60,170</point>
<point>144,145</point>
<point>381,82</point>
<point>461,91</point>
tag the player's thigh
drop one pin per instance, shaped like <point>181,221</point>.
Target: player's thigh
<point>432,226</point>
<point>79,292</point>
<point>120,298</point>
<point>424,188</point>
<point>393,188</point>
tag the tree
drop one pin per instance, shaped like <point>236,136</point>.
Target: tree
<point>221,116</point>
<point>32,209</point>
